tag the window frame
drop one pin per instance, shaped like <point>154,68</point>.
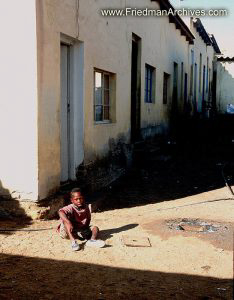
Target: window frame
<point>103,89</point>
<point>149,93</point>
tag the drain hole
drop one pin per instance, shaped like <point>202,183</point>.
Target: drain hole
<point>193,225</point>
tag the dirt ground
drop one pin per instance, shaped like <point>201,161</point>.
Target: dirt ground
<point>179,264</point>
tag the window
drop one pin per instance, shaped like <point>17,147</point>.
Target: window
<point>175,84</point>
<point>103,94</point>
<point>207,75</point>
<point>191,73</point>
<point>200,73</point>
<point>165,87</point>
<point>149,84</point>
<point>182,81</point>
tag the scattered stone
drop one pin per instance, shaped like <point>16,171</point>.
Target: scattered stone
<point>206,268</point>
<point>188,227</point>
<point>194,225</point>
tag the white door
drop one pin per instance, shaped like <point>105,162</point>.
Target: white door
<point>65,113</point>
<point>71,109</point>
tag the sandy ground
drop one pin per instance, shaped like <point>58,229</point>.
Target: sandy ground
<point>183,182</point>
<point>178,265</point>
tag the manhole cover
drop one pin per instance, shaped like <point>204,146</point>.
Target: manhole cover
<point>193,225</point>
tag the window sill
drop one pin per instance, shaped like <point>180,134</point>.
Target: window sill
<point>150,102</point>
<point>103,122</point>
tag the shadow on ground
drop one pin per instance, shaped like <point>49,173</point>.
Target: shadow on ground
<point>187,164</point>
<point>12,216</point>
<point>37,278</point>
<point>108,233</point>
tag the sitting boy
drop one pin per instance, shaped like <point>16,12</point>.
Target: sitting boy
<point>75,222</point>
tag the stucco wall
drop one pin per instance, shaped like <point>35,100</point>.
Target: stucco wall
<point>53,17</point>
<point>18,100</point>
<point>107,45</point>
<point>225,88</point>
<point>200,47</point>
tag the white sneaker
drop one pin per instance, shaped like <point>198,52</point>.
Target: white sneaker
<point>75,246</point>
<point>95,243</point>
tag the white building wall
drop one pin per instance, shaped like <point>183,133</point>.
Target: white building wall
<point>162,45</point>
<point>18,100</point>
<point>107,46</point>
<point>200,47</point>
<point>53,18</point>
<point>225,88</point>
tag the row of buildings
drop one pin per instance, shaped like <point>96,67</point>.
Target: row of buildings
<point>80,88</point>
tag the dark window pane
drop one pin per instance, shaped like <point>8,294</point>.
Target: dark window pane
<point>98,113</point>
<point>148,84</point>
<point>106,113</point>
<point>98,95</point>
<point>106,81</point>
<point>151,82</point>
<point>106,97</point>
<point>165,86</point>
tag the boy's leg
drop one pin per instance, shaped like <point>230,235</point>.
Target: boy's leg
<point>63,232</point>
<point>70,234</point>
<point>88,233</point>
<point>95,231</point>
<point>84,234</point>
<point>94,242</point>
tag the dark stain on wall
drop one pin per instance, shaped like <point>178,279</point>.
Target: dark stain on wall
<point>103,170</point>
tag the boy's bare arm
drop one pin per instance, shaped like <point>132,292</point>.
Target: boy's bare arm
<point>65,220</point>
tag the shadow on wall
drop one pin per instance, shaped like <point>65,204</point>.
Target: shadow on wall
<point>12,216</point>
<point>26,278</point>
<point>100,171</point>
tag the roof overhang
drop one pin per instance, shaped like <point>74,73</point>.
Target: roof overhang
<point>214,44</point>
<point>226,59</point>
<point>176,19</point>
<point>208,39</point>
<point>201,31</point>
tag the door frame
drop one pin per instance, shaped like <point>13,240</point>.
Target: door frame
<point>76,106</point>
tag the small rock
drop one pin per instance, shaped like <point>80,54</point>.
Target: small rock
<point>206,268</point>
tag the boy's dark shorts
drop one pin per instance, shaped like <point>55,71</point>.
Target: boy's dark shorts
<point>81,234</point>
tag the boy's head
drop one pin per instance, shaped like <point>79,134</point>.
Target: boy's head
<point>77,197</point>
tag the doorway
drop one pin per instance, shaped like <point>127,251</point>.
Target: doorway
<point>175,90</point>
<point>71,109</point>
<point>136,89</point>
<point>203,89</point>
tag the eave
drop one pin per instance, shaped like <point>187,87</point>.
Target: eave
<point>176,19</point>
<point>201,31</point>
<point>214,44</point>
<point>226,59</point>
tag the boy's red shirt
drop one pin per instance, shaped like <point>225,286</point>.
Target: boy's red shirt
<point>80,217</point>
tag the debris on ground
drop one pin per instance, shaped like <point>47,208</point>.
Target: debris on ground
<point>136,241</point>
